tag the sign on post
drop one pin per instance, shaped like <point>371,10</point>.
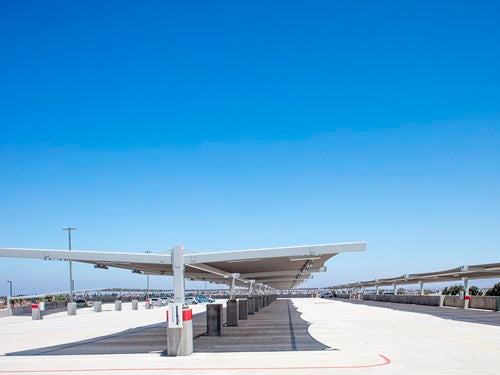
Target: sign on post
<point>175,315</point>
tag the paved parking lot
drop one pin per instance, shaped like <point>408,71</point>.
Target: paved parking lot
<point>310,336</point>
<point>452,313</point>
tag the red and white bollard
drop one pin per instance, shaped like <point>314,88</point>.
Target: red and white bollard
<point>466,301</point>
<point>179,330</point>
<point>35,312</point>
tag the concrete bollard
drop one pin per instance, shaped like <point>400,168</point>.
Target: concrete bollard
<point>266,300</point>
<point>180,339</point>
<point>97,306</point>
<point>36,314</point>
<point>251,307</point>
<point>135,304</point>
<point>441,301</point>
<point>256,304</point>
<point>243,309</point>
<point>214,319</point>
<point>232,313</point>
<point>497,307</point>
<point>71,308</point>
<point>118,305</point>
<point>261,303</point>
<point>466,302</point>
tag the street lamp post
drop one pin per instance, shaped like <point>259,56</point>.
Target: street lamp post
<point>10,287</point>
<point>147,277</point>
<point>71,282</point>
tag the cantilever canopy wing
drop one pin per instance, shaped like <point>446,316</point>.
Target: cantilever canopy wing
<point>278,268</point>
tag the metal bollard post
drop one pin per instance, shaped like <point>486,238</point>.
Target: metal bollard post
<point>118,305</point>
<point>251,307</point>
<point>214,319</point>
<point>232,313</point>
<point>135,304</point>
<point>243,309</point>
<point>97,306</point>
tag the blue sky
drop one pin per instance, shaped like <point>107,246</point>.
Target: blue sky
<point>229,125</point>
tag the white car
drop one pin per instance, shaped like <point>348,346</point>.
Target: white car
<point>80,302</point>
<point>154,301</point>
<point>166,301</point>
<point>190,301</point>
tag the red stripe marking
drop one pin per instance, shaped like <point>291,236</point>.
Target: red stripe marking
<point>34,306</point>
<point>386,362</point>
<point>186,315</point>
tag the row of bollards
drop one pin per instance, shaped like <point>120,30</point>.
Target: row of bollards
<point>235,310</point>
<point>36,308</point>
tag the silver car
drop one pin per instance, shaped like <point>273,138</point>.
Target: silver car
<point>190,301</point>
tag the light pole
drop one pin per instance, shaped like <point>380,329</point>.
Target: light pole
<point>71,282</point>
<point>147,276</point>
<point>10,287</point>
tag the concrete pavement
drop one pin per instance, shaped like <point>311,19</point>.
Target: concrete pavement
<point>349,336</point>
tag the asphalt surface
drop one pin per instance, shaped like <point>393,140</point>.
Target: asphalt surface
<point>277,327</point>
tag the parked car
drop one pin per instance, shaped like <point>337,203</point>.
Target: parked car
<point>166,301</point>
<point>155,301</point>
<point>191,301</point>
<point>83,303</point>
<point>202,299</point>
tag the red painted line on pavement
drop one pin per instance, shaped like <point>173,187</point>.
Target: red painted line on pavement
<point>385,363</point>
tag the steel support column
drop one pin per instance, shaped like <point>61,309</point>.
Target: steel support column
<point>178,270</point>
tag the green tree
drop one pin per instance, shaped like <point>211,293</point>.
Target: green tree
<point>474,290</point>
<point>494,291</point>
<point>453,290</point>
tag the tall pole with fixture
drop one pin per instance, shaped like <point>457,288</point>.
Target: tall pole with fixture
<point>147,276</point>
<point>71,282</point>
<point>10,287</point>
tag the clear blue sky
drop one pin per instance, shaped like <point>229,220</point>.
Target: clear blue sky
<point>231,125</point>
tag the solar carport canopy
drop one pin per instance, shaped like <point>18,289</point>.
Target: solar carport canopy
<point>478,271</point>
<point>278,268</point>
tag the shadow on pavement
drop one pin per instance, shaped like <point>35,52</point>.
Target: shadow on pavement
<point>277,327</point>
<point>452,313</point>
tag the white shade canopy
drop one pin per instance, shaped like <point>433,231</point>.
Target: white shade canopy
<point>277,268</point>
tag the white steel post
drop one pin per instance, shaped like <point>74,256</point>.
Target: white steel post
<point>233,285</point>
<point>395,289</point>
<point>178,270</point>
<point>180,323</point>
<point>421,287</point>
<point>250,288</point>
<point>466,292</point>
